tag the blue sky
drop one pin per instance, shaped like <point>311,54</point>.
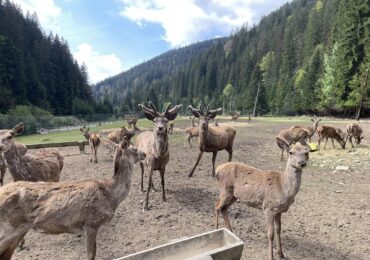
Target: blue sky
<point>113,35</point>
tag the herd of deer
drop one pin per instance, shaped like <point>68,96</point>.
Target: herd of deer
<point>38,200</point>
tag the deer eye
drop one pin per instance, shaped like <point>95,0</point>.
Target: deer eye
<point>9,137</point>
<point>290,152</point>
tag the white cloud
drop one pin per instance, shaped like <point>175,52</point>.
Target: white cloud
<point>47,11</point>
<point>100,66</point>
<point>187,21</point>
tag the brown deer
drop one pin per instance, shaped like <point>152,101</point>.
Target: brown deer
<point>22,150</point>
<point>290,136</point>
<point>117,137</point>
<point>132,122</point>
<point>216,122</point>
<point>94,142</point>
<point>327,131</point>
<point>212,139</point>
<point>155,145</point>
<point>65,207</point>
<point>271,191</point>
<point>311,129</point>
<point>170,128</point>
<point>354,131</point>
<point>45,165</point>
<point>192,131</point>
<point>235,116</point>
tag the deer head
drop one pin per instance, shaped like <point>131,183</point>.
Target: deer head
<point>204,115</point>
<point>6,137</point>
<point>297,152</point>
<point>85,132</point>
<point>160,119</point>
<point>125,151</point>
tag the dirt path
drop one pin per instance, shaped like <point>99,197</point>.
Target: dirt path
<point>330,218</point>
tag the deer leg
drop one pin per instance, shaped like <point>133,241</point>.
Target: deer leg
<point>223,203</point>
<point>161,171</point>
<point>196,163</point>
<point>2,174</point>
<point>230,154</point>
<point>91,153</point>
<point>217,212</point>
<point>282,155</point>
<point>96,154</point>
<point>224,212</point>
<point>278,230</point>
<point>270,216</point>
<point>142,177</point>
<point>214,156</point>
<point>189,141</point>
<point>148,190</point>
<point>91,242</point>
<point>332,141</point>
<point>9,251</point>
<point>326,142</point>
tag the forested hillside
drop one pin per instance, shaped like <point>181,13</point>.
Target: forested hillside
<point>38,69</point>
<point>308,56</point>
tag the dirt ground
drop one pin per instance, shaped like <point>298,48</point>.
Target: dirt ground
<point>330,218</point>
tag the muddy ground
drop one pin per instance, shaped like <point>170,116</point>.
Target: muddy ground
<point>330,218</point>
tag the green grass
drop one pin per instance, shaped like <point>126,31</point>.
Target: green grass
<point>73,135</point>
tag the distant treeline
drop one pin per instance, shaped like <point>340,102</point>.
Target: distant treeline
<point>38,69</point>
<point>309,56</point>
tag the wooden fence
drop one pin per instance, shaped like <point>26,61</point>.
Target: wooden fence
<point>80,144</point>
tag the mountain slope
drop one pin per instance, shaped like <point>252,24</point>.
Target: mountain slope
<point>308,56</point>
<point>36,69</point>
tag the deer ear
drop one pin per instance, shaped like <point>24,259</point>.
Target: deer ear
<point>148,114</point>
<point>172,113</point>
<point>283,144</point>
<point>18,129</point>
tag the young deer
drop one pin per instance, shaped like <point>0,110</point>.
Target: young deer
<point>290,136</point>
<point>155,145</point>
<point>22,150</point>
<point>354,131</point>
<point>170,128</point>
<point>311,129</point>
<point>45,165</point>
<point>132,122</point>
<point>192,131</point>
<point>331,132</point>
<point>94,142</point>
<point>212,139</point>
<point>271,191</point>
<point>65,207</point>
<point>117,137</point>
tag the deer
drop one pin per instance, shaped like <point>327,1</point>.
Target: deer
<point>155,145</point>
<point>66,206</point>
<point>354,131</point>
<point>216,122</point>
<point>45,165</point>
<point>291,135</point>
<point>212,139</point>
<point>170,128</point>
<point>327,131</point>
<point>94,142</point>
<point>311,129</point>
<point>192,131</point>
<point>117,137</point>
<point>271,191</point>
<point>235,116</point>
<point>22,150</point>
<point>132,122</point>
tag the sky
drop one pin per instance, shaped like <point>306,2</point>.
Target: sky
<point>111,36</point>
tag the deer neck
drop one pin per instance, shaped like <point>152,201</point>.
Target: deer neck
<point>203,136</point>
<point>14,162</point>
<point>160,144</point>
<point>291,180</point>
<point>87,136</point>
<point>120,184</point>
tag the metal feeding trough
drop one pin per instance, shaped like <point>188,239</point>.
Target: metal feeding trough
<point>219,244</point>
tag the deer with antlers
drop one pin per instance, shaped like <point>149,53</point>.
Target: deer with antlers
<point>271,191</point>
<point>45,165</point>
<point>155,145</point>
<point>192,131</point>
<point>94,142</point>
<point>212,139</point>
<point>65,207</point>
